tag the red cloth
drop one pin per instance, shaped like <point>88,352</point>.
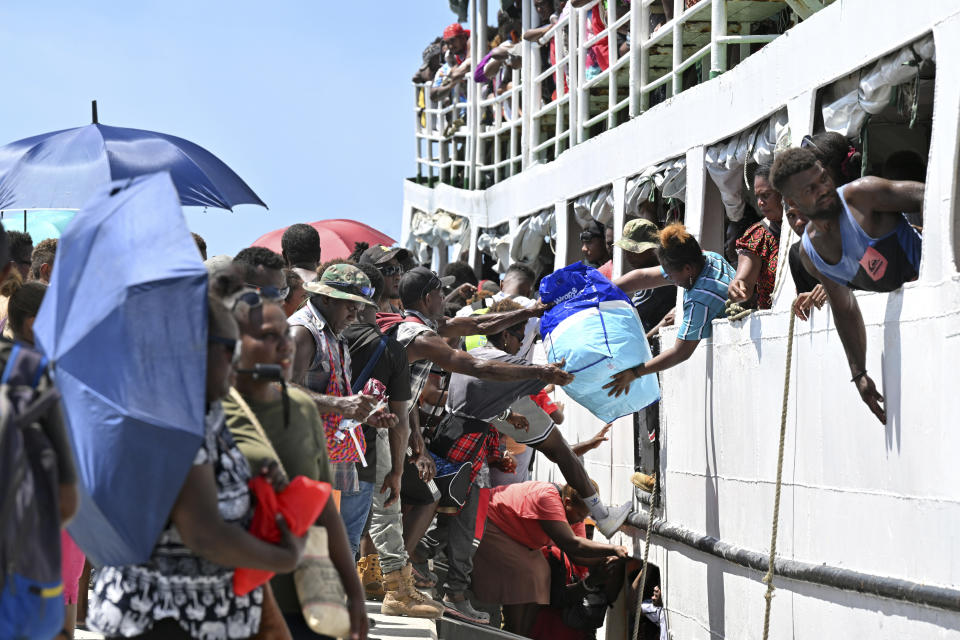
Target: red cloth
<point>454,30</point>
<point>542,399</point>
<point>759,241</point>
<point>387,321</point>
<point>607,269</point>
<point>517,509</point>
<point>300,503</point>
<point>476,448</point>
<point>601,50</point>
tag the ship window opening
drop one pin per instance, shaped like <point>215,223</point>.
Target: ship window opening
<point>591,234</point>
<point>534,243</point>
<point>494,246</point>
<point>652,600</point>
<point>885,111</point>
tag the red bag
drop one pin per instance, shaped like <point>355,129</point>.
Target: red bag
<point>300,503</point>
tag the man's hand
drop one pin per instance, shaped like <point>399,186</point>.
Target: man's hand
<point>621,551</point>
<point>806,301</point>
<point>519,421</point>
<point>870,395</point>
<point>291,543</point>
<point>358,406</point>
<point>359,624</point>
<point>737,291</point>
<point>507,464</point>
<point>270,469</point>
<point>538,308</point>
<point>466,290</point>
<point>426,469</point>
<point>620,383</point>
<point>383,419</point>
<point>391,482</point>
<point>553,373</point>
<point>598,439</point>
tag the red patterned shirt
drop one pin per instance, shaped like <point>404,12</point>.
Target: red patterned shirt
<point>760,241</point>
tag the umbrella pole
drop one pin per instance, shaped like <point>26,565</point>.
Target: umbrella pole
<point>93,107</point>
<point>24,220</point>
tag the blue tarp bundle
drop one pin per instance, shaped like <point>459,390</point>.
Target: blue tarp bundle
<point>595,328</point>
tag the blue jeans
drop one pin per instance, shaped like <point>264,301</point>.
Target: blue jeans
<point>354,509</point>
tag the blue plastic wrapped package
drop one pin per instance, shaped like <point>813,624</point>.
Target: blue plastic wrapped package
<point>595,328</point>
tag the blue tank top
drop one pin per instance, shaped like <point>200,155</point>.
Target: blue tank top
<point>870,264</point>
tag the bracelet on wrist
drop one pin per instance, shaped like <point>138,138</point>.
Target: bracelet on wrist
<point>858,376</point>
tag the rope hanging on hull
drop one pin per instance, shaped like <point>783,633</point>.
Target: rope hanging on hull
<point>768,579</point>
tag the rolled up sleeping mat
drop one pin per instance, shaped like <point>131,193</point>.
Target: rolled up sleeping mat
<point>322,598</point>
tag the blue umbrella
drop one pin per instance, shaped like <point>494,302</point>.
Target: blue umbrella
<point>63,169</point>
<point>125,324</point>
<point>41,224</point>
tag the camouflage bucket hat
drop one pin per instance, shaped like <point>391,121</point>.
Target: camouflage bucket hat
<point>344,282</point>
<point>639,235</point>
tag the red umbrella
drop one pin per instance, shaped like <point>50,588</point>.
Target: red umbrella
<point>337,237</point>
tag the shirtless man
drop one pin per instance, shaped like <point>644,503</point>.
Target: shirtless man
<point>852,242</point>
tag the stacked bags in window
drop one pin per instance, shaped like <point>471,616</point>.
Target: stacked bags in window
<point>595,328</point>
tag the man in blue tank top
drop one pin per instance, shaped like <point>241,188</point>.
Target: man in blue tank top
<point>852,242</point>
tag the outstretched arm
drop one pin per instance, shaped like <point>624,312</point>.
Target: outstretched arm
<point>877,194</point>
<point>433,348</point>
<point>745,281</point>
<point>641,279</point>
<point>853,336</point>
<point>679,352</point>
<point>487,323</point>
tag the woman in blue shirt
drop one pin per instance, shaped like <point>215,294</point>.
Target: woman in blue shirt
<point>704,276</point>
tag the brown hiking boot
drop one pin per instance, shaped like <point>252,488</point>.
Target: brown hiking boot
<point>403,599</point>
<point>371,577</point>
<point>643,481</point>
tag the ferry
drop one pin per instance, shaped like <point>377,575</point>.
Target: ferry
<point>864,544</point>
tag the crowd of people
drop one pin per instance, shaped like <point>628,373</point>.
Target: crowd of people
<point>416,399</point>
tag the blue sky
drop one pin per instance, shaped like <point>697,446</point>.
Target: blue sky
<point>310,102</point>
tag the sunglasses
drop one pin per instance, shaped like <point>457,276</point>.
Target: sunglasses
<point>271,293</point>
<point>232,346</point>
<point>808,143</point>
<point>250,298</point>
<point>392,270</point>
<point>346,287</point>
<point>587,236</point>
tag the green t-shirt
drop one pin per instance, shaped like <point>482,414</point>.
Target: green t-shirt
<point>301,446</point>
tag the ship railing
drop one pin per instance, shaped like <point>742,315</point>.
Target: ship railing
<point>444,144</point>
<point>504,134</point>
<point>552,115</point>
<point>499,154</point>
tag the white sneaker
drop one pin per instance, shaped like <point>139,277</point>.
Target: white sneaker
<point>616,516</point>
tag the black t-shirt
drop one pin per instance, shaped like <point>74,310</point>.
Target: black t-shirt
<point>801,278</point>
<point>392,369</point>
<point>653,304</point>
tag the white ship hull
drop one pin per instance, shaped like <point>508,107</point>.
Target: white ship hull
<point>881,502</point>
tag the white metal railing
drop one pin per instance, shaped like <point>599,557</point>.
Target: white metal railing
<point>531,122</point>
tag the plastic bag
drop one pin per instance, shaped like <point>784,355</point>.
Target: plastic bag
<point>595,328</point>
<point>300,503</point>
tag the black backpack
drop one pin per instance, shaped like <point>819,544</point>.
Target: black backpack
<point>31,588</point>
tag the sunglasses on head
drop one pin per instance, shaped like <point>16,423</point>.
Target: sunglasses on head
<point>391,270</point>
<point>587,236</point>
<point>271,293</point>
<point>346,287</point>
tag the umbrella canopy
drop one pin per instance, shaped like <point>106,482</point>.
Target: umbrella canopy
<point>337,237</point>
<point>62,169</point>
<point>41,224</point>
<point>125,324</point>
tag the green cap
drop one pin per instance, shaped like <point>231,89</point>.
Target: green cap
<point>345,282</point>
<point>639,235</point>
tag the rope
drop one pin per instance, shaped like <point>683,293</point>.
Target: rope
<point>654,504</point>
<point>768,579</point>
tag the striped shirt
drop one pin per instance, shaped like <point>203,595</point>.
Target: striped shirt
<point>705,301</point>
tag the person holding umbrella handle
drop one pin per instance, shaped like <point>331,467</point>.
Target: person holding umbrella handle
<point>185,589</point>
